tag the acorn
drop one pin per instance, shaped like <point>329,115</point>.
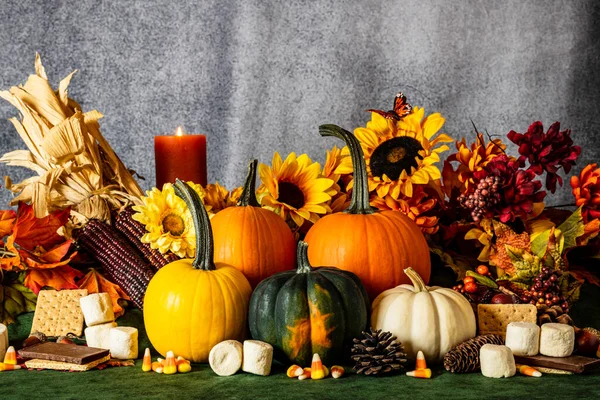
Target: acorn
<point>34,338</point>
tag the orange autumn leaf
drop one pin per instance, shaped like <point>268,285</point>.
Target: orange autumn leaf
<point>50,259</point>
<point>59,278</point>
<point>11,259</point>
<point>7,221</point>
<point>94,282</point>
<point>506,236</point>
<point>30,232</point>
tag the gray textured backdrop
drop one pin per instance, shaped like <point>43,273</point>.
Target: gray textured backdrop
<point>260,76</point>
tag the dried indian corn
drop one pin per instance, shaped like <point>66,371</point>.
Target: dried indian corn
<point>134,231</point>
<point>122,263</point>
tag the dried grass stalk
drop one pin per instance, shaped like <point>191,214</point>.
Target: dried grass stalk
<point>74,164</point>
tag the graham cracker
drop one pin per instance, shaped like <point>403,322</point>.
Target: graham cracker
<point>58,312</point>
<point>63,366</point>
<point>494,318</point>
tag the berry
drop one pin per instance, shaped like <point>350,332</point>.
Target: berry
<point>483,199</point>
<point>468,279</point>
<point>483,270</point>
<point>470,287</point>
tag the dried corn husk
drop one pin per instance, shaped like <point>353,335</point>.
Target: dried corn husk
<point>74,164</point>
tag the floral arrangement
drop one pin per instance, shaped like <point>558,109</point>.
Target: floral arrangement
<point>480,206</point>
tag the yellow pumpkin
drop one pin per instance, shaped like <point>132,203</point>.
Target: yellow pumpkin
<point>430,319</point>
<point>191,305</point>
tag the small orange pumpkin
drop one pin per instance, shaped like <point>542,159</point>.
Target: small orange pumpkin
<point>254,240</point>
<point>376,245</point>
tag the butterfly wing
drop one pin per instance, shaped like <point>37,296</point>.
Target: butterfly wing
<point>386,114</point>
<point>401,106</point>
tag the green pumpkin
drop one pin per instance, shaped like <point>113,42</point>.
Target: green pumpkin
<point>309,311</point>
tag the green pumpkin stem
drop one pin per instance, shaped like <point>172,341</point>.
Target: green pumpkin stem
<point>204,258</point>
<point>360,193</point>
<point>248,197</point>
<point>302,258</point>
<point>416,280</point>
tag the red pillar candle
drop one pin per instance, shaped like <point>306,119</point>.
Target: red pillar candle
<point>180,156</point>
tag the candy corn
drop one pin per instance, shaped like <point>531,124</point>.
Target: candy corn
<point>316,368</point>
<point>420,373</point>
<point>183,365</point>
<point>306,374</point>
<point>337,371</point>
<point>11,356</point>
<point>147,361</point>
<point>529,371</point>
<point>8,367</point>
<point>157,367</point>
<point>170,366</point>
<point>421,363</point>
<point>294,371</point>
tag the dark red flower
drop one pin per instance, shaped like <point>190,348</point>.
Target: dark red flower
<point>546,152</point>
<point>520,190</point>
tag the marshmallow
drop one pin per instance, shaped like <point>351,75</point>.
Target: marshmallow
<point>123,342</point>
<point>98,335</point>
<point>225,358</point>
<point>97,309</point>
<point>523,338</point>
<point>258,357</point>
<point>3,340</point>
<point>497,361</point>
<point>557,340</point>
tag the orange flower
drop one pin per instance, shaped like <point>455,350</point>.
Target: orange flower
<point>415,207</point>
<point>586,189</point>
<point>472,159</point>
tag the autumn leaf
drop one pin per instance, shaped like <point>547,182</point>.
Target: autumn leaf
<point>505,236</point>
<point>572,228</point>
<point>15,299</point>
<point>590,231</point>
<point>94,282</point>
<point>58,278</point>
<point>51,259</point>
<point>30,232</point>
<point>7,220</point>
<point>526,266</point>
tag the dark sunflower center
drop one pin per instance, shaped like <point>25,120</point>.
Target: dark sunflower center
<point>173,224</point>
<point>394,156</point>
<point>291,194</point>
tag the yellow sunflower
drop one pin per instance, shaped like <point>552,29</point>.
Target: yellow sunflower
<point>218,198</point>
<point>294,188</point>
<point>416,208</point>
<point>168,221</point>
<point>340,199</point>
<point>400,154</point>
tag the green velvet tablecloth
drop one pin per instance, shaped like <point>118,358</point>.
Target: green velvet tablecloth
<point>131,382</point>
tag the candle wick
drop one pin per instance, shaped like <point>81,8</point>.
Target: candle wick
<point>179,131</point>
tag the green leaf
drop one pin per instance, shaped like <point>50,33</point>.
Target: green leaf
<point>571,287</point>
<point>571,229</point>
<point>527,266</point>
<point>15,299</point>
<point>538,245</point>
<point>29,297</point>
<point>484,280</point>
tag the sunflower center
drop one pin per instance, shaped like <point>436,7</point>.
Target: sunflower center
<point>291,194</point>
<point>394,156</point>
<point>173,224</point>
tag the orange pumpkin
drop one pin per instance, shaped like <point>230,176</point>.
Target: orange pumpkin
<point>375,245</point>
<point>254,240</point>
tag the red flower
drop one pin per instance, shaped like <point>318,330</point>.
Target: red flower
<point>586,189</point>
<point>519,189</point>
<point>546,151</point>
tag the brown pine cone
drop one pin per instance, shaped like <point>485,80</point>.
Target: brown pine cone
<point>465,357</point>
<point>377,353</point>
<point>553,314</point>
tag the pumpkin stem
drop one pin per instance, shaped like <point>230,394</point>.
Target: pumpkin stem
<point>204,237</point>
<point>416,280</point>
<point>248,197</point>
<point>360,193</point>
<point>302,257</point>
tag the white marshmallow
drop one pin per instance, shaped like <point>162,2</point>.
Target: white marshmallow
<point>225,358</point>
<point>98,335</point>
<point>258,357</point>
<point>497,361</point>
<point>3,340</point>
<point>123,343</point>
<point>557,340</point>
<point>523,338</point>
<point>97,309</point>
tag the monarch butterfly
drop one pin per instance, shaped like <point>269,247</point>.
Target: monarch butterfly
<point>401,108</point>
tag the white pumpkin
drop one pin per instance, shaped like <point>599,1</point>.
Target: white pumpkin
<point>430,319</point>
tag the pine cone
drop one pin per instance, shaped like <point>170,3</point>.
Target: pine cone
<point>465,357</point>
<point>378,353</point>
<point>553,314</point>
